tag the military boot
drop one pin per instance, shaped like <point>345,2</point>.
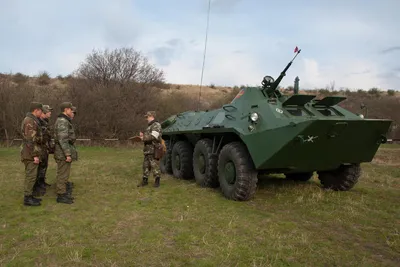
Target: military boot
<point>64,198</point>
<point>144,182</point>
<point>69,187</point>
<point>31,201</point>
<point>69,191</point>
<point>36,199</point>
<point>157,182</point>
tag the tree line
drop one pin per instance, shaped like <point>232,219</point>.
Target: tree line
<point>113,89</point>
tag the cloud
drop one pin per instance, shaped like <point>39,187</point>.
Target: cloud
<point>223,5</point>
<point>165,54</point>
<point>361,72</point>
<point>391,49</point>
<point>344,75</point>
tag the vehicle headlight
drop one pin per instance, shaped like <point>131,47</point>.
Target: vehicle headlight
<point>254,116</point>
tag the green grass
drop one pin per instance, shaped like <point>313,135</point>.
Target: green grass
<point>113,223</point>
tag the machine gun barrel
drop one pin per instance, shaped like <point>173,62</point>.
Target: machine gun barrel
<point>273,87</point>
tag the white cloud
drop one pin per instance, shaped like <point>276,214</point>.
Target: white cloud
<point>352,74</point>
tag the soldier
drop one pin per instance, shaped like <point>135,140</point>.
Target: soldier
<point>40,185</point>
<point>31,151</point>
<point>150,137</point>
<point>65,151</point>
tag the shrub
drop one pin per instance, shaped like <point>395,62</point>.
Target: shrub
<point>43,78</point>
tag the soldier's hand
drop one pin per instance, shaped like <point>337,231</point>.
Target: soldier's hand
<point>36,160</point>
<point>68,159</point>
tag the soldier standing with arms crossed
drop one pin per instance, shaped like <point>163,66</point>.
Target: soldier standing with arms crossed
<point>65,151</point>
<point>151,137</point>
<point>47,148</point>
<point>31,151</point>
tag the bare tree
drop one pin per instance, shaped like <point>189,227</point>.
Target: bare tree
<point>120,66</point>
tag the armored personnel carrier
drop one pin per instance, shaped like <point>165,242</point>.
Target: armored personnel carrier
<point>263,131</point>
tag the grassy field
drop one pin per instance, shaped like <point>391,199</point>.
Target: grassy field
<point>113,223</point>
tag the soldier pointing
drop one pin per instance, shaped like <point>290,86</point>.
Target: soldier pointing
<point>152,137</point>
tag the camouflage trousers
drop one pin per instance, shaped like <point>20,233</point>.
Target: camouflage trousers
<point>150,165</point>
<point>30,176</point>
<point>63,173</point>
<point>42,169</point>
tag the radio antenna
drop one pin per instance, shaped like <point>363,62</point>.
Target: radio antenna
<point>205,51</point>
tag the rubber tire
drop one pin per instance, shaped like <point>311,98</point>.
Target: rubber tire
<point>185,152</point>
<point>210,176</point>
<point>342,179</point>
<point>245,185</point>
<point>165,162</point>
<point>302,177</point>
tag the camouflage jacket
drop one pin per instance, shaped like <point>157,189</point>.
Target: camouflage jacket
<point>47,144</point>
<point>152,135</point>
<point>32,137</point>
<point>64,138</point>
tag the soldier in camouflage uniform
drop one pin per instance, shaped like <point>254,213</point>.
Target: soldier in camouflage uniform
<point>31,151</point>
<point>152,135</point>
<point>65,151</point>
<point>40,185</point>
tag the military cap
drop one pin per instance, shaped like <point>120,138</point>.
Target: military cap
<point>65,105</point>
<point>35,105</point>
<point>47,108</point>
<point>150,113</point>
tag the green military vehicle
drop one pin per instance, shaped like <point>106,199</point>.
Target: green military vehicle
<point>263,131</point>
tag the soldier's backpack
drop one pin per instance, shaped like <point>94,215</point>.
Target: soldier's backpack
<point>159,150</point>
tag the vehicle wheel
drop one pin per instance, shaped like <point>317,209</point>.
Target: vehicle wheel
<point>165,162</point>
<point>342,179</point>
<point>162,165</point>
<point>182,160</point>
<point>302,177</point>
<point>236,172</point>
<point>205,164</point>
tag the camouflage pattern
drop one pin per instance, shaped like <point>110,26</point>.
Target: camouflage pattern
<point>32,138</point>
<point>152,134</point>
<point>31,147</point>
<point>48,144</point>
<point>64,137</point>
<point>150,165</point>
<point>44,157</point>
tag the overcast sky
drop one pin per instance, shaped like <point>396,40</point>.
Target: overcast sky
<point>353,43</point>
